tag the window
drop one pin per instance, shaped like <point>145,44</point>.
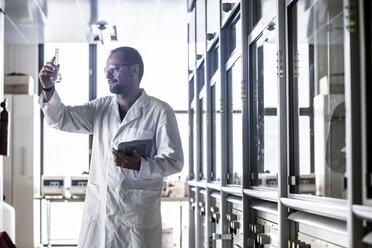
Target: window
<point>67,154</point>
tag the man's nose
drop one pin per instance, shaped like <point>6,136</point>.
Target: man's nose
<point>109,75</point>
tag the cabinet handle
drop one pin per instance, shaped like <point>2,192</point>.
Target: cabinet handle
<point>226,7</point>
<point>210,36</point>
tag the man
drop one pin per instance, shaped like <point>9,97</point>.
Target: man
<point>122,205</point>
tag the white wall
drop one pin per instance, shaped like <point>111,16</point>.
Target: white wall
<point>2,4</point>
<point>22,58</point>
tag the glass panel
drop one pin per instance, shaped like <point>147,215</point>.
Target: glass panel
<point>191,43</point>
<point>259,8</point>
<point>265,102</point>
<point>201,115</point>
<point>213,19</point>
<point>216,127</point>
<point>67,154</point>
<point>318,84</point>
<point>203,109</point>
<point>235,150</point>
<point>195,146</point>
<point>200,27</point>
<point>182,122</point>
<point>213,61</point>
<point>226,8</point>
<point>234,36</point>
<point>191,129</point>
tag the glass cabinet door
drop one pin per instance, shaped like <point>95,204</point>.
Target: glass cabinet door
<point>191,129</point>
<point>258,9</point>
<point>235,123</point>
<point>213,19</point>
<point>215,95</point>
<point>234,35</point>
<point>200,27</point>
<point>216,129</point>
<point>265,123</point>
<point>202,134</point>
<point>227,7</point>
<point>195,140</point>
<point>317,88</point>
<point>191,41</point>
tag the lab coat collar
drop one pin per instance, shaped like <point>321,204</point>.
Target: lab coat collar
<point>135,110</point>
<point>133,113</point>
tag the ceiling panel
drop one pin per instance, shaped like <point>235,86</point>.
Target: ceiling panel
<point>38,21</point>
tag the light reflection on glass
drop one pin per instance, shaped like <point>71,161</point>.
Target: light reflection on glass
<point>235,151</point>
<point>318,76</point>
<point>265,111</point>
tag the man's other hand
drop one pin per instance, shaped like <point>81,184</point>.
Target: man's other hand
<point>128,162</point>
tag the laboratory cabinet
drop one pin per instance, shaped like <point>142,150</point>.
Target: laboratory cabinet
<point>203,238</point>
<point>22,167</point>
<point>280,118</point>
<point>192,209</point>
<point>234,217</point>
<point>263,228</point>
<point>215,219</point>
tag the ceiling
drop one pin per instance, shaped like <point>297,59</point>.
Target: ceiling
<point>41,21</point>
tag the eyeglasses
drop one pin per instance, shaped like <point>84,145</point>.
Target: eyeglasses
<point>114,68</point>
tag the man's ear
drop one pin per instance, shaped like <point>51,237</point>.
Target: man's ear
<point>135,69</point>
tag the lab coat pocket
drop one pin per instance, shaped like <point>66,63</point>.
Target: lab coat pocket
<point>92,201</point>
<point>139,134</point>
<point>140,207</point>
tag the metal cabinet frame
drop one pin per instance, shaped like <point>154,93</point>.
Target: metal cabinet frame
<point>357,208</point>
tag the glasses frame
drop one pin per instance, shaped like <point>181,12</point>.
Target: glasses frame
<point>114,68</point>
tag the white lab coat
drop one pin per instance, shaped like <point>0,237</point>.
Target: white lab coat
<point>122,206</point>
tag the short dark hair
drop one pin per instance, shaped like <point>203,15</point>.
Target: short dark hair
<point>132,56</point>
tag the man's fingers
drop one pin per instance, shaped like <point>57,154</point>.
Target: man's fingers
<point>49,68</point>
<point>136,154</point>
<point>52,59</point>
<point>119,158</point>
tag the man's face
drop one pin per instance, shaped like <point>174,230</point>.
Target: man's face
<point>119,75</point>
